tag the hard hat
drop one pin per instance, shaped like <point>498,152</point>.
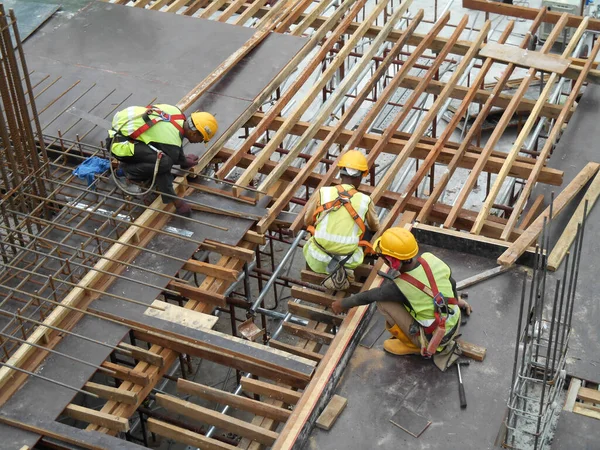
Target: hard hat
<point>398,243</point>
<point>205,123</point>
<point>354,162</point>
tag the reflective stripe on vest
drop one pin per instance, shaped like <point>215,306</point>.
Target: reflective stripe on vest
<point>337,232</point>
<point>422,304</point>
<point>131,119</point>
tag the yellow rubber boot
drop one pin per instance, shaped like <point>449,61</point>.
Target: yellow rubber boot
<point>399,343</point>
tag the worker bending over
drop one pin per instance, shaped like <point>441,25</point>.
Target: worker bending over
<point>148,142</point>
<point>336,218</point>
<point>417,298</point>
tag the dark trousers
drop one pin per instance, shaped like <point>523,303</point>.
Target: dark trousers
<point>140,168</point>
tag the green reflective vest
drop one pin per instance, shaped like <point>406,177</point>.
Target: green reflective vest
<point>422,304</point>
<point>130,119</point>
<point>336,231</point>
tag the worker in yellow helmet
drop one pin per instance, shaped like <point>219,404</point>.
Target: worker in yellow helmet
<point>418,299</point>
<point>148,142</point>
<point>338,217</point>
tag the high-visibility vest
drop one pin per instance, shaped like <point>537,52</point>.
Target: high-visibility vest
<point>162,124</point>
<point>421,306</point>
<point>336,231</point>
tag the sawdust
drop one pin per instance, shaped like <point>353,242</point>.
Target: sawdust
<point>366,361</point>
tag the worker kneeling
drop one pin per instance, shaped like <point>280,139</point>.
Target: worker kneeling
<point>417,298</point>
<point>336,219</point>
<point>148,142</point>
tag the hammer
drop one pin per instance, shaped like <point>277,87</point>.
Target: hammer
<point>461,387</point>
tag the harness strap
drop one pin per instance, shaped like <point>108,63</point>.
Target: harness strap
<point>343,198</point>
<point>432,291</point>
<point>161,117</point>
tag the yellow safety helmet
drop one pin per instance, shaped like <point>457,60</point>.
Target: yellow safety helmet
<point>354,162</point>
<point>398,243</point>
<point>205,123</point>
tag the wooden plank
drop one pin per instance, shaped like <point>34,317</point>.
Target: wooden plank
<point>211,269</point>
<point>526,58</point>
<point>332,68</point>
<point>314,356</point>
<point>397,144</point>
<point>308,168</point>
<point>231,10</point>
<point>312,296</point>
<point>97,417</point>
<point>526,129</point>
<point>586,410</point>
<point>186,436</point>
<point>193,293</point>
<point>568,235</point>
<point>183,316</point>
<point>335,98</point>
<point>483,276</point>
<point>315,314</point>
<point>426,121</point>
<point>243,254</point>
<point>526,13</point>
<point>287,396</point>
<point>68,434</point>
<point>331,412</point>
<point>307,333</point>
<point>534,211</point>
<point>126,374</point>
<point>111,393</point>
<point>255,238</point>
<point>496,134</point>
<point>588,395</point>
<point>235,401</point>
<point>143,355</point>
<point>472,351</point>
<point>217,419</point>
<point>518,247</point>
<point>574,387</point>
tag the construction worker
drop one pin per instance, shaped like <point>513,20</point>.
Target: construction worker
<point>148,143</point>
<point>338,217</point>
<point>417,298</point>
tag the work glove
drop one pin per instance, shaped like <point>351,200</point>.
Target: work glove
<point>190,161</point>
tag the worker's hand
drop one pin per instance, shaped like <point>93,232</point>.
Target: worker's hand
<point>190,161</point>
<point>337,307</point>
<point>464,306</point>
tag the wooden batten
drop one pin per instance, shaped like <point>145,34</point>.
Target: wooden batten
<point>287,396</point>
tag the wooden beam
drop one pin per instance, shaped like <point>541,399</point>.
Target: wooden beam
<point>574,387</point>
<point>97,417</point>
<point>527,58</point>
<point>534,211</point>
<point>587,410</point>
<point>241,253</point>
<point>295,350</point>
<point>317,278</point>
<point>472,351</point>
<point>186,436</point>
<point>312,296</point>
<point>217,419</point>
<point>307,333</point>
<point>234,401</point>
<point>518,247</point>
<point>483,276</point>
<point>397,144</point>
<point>126,374</point>
<point>211,269</point>
<point>315,314</point>
<point>526,13</point>
<point>111,393</point>
<point>273,391</point>
<point>568,235</point>
<point>183,316</point>
<point>527,127</point>
<point>143,355</point>
<point>201,295</point>
<point>332,411</point>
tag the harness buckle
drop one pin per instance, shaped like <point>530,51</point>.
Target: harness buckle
<point>439,300</point>
<point>164,116</point>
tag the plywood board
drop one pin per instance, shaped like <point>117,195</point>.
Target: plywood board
<point>410,421</point>
<point>182,316</point>
<point>525,58</point>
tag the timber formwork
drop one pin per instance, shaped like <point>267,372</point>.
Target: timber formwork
<point>75,252</point>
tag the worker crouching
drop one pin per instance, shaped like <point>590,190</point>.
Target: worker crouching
<point>148,142</point>
<point>417,298</point>
<point>338,217</point>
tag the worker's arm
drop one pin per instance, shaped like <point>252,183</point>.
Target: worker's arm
<point>388,292</point>
<point>175,152</point>
<point>372,219</point>
<point>462,303</point>
<point>311,206</point>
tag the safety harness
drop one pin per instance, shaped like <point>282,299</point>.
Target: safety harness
<point>440,303</point>
<point>161,116</point>
<point>343,199</point>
